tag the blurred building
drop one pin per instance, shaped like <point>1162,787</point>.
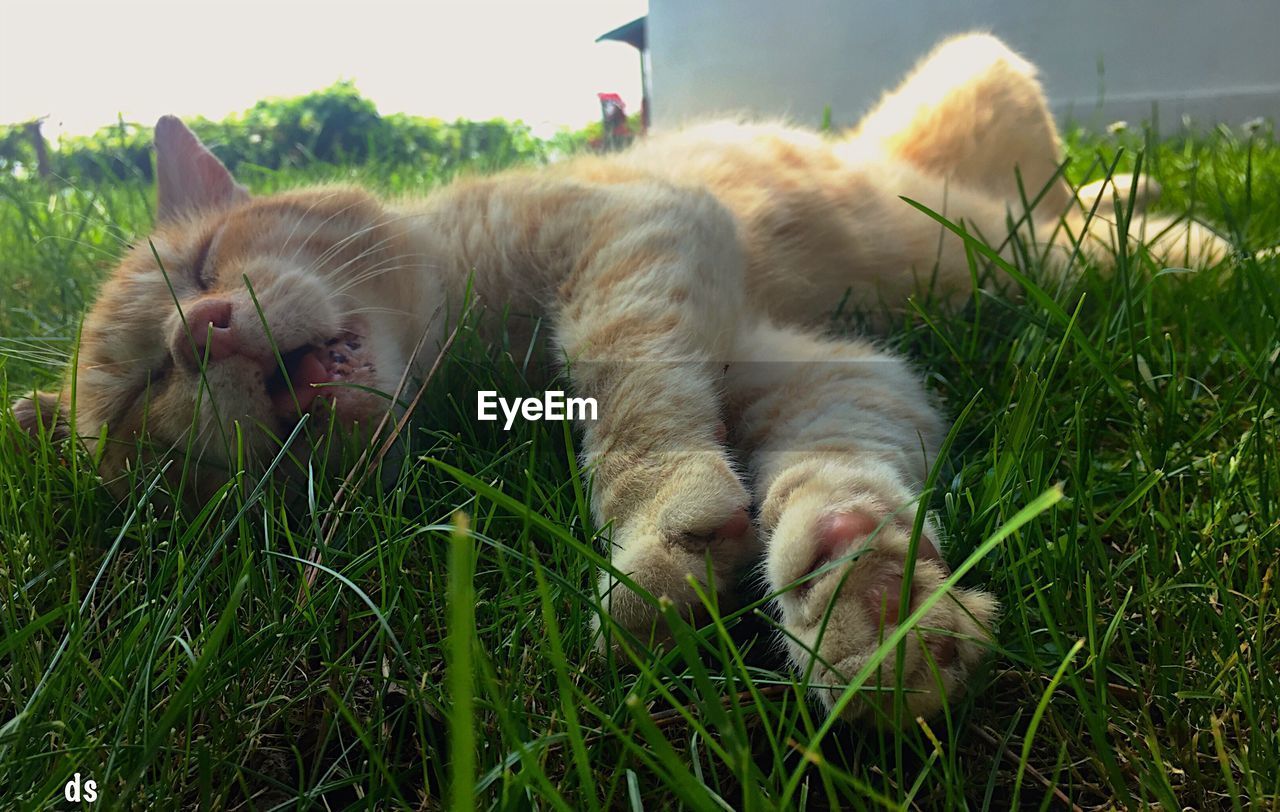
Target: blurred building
<point>1100,60</point>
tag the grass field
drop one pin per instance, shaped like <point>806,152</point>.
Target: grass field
<point>166,658</point>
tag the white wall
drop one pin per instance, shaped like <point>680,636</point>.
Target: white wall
<point>1215,60</point>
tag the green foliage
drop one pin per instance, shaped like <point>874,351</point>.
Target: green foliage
<point>335,126</point>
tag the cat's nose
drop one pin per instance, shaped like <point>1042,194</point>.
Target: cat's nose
<point>207,336</point>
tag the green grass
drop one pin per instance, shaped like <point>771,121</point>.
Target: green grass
<point>168,659</point>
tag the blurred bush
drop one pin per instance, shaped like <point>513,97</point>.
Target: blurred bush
<point>334,126</point>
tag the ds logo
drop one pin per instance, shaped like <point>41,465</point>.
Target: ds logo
<point>76,792</point>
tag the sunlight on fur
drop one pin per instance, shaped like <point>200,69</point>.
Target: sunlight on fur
<point>687,280</point>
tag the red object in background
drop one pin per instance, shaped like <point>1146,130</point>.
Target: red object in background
<point>617,132</point>
<point>613,111</point>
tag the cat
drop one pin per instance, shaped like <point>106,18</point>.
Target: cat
<point>687,280</point>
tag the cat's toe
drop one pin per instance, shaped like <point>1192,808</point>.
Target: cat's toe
<point>667,566</point>
<point>731,531</point>
<point>699,533</point>
<point>846,571</point>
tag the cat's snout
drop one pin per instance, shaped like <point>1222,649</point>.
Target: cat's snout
<point>207,335</point>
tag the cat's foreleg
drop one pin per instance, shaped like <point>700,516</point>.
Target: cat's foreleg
<point>840,438</point>
<point>647,316</point>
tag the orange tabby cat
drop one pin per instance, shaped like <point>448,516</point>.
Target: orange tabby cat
<point>685,279</point>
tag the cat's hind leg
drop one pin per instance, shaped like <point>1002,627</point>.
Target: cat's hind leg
<point>1104,194</point>
<point>647,316</point>
<point>972,110</point>
<point>840,437</point>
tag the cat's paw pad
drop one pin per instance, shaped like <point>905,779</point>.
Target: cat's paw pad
<point>696,526</point>
<point>845,570</point>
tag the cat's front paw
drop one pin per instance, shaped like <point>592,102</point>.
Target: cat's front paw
<point>840,572</point>
<point>696,525</point>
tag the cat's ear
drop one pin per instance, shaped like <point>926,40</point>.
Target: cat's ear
<point>42,411</point>
<point>188,176</point>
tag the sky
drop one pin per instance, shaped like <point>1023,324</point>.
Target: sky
<point>83,63</point>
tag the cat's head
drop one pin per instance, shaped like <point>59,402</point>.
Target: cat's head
<point>237,316</point>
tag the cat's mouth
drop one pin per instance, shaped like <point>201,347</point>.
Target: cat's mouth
<point>315,372</point>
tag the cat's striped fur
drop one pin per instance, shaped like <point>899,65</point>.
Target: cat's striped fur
<point>685,279</point>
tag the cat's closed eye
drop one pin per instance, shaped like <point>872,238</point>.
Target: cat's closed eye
<point>200,263</point>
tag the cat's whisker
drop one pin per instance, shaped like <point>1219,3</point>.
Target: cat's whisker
<point>298,222</point>
<point>337,270</point>
<point>122,243</point>
<point>317,267</point>
<point>319,225</point>
<point>340,244</point>
<point>344,290</point>
<point>204,435</point>
<point>318,264</point>
<point>335,274</point>
<point>107,365</point>
<point>347,240</point>
<point>389,310</point>
<point>370,274</point>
